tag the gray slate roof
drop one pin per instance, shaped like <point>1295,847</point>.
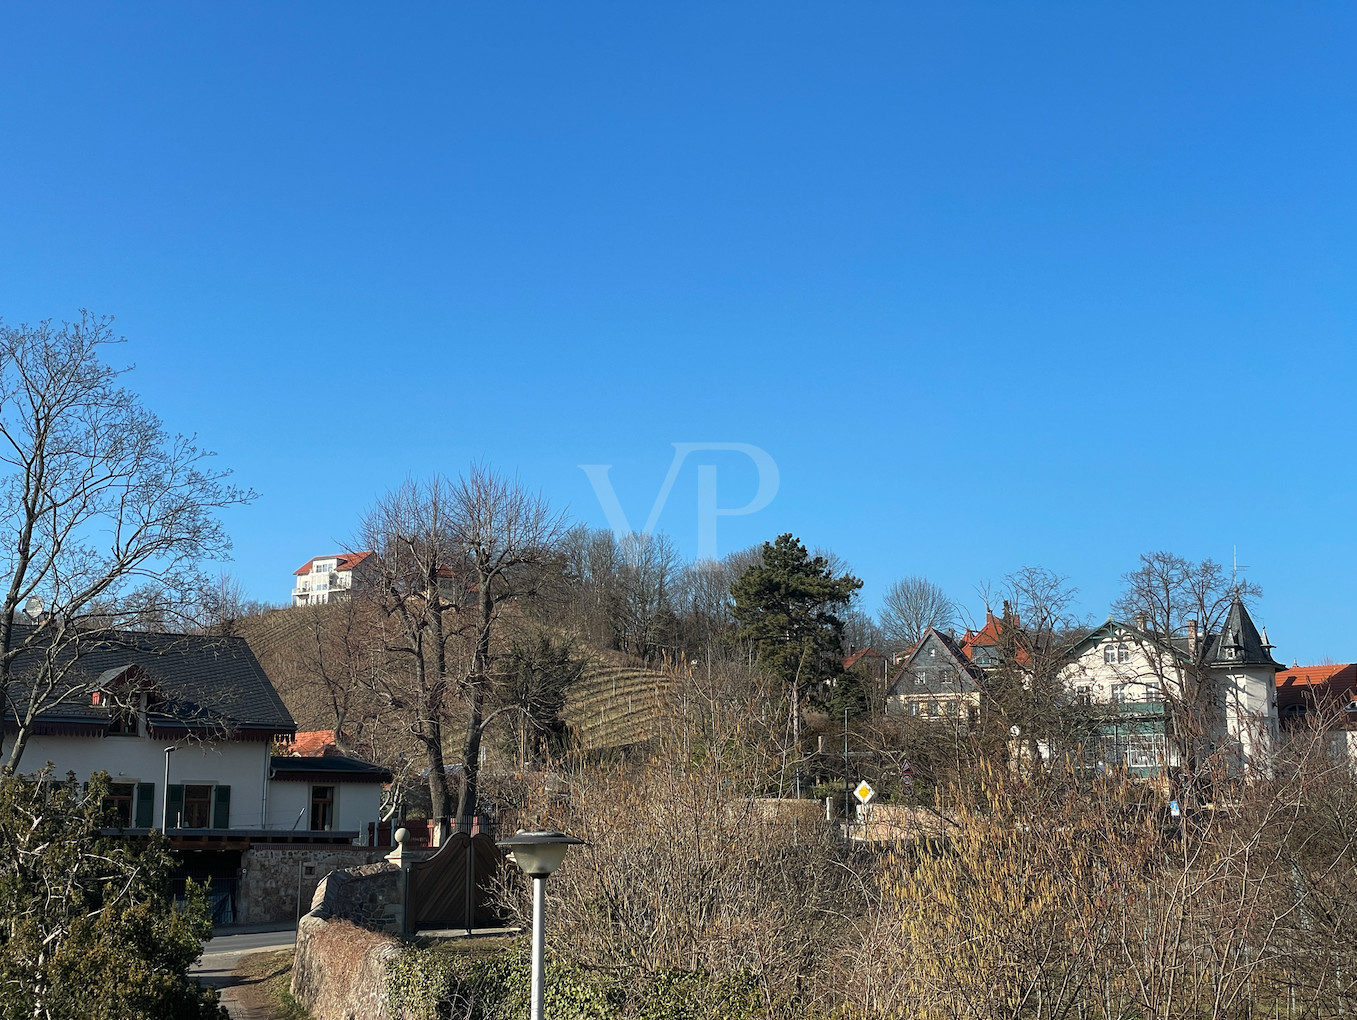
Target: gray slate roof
<point>1239,642</point>
<point>195,681</point>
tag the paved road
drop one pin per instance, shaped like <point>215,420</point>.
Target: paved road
<point>223,953</point>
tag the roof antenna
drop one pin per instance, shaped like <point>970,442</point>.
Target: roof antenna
<point>1234,572</point>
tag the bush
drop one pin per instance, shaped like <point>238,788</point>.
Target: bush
<point>88,926</point>
<point>461,980</point>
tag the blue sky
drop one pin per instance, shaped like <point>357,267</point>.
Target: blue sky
<point>993,284</point>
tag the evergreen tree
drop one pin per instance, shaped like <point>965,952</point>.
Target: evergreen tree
<point>786,606</point>
<point>88,926</point>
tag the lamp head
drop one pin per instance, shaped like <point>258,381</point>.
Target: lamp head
<point>538,853</point>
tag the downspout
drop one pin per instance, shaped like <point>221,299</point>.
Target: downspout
<point>264,798</point>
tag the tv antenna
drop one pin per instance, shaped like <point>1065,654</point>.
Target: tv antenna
<point>1234,571</point>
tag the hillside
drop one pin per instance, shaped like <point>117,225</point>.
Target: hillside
<point>619,705</point>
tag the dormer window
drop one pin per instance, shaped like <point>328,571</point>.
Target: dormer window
<point>323,568</point>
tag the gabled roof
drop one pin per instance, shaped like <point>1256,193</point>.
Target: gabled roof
<point>992,634</point>
<point>194,682</point>
<point>1238,644</point>
<point>343,561</point>
<point>953,650</point>
<point>860,654</point>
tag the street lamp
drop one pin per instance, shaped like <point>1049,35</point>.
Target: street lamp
<point>165,794</point>
<point>537,855</point>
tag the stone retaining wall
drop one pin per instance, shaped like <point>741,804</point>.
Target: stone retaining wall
<point>339,971</point>
<point>278,882</point>
<point>370,896</point>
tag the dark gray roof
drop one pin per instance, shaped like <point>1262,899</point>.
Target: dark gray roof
<point>963,664</point>
<point>193,682</point>
<point>333,767</point>
<point>1239,642</point>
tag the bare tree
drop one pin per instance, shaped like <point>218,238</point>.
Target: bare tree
<point>1175,605</point>
<point>507,535</point>
<point>451,557</point>
<point>412,543</point>
<point>106,516</point>
<point>911,606</point>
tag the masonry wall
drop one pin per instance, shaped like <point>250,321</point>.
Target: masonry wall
<point>339,971</point>
<point>371,896</point>
<point>278,882</point>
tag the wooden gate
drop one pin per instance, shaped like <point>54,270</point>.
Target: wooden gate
<point>452,888</point>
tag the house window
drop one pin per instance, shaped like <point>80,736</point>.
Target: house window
<point>197,807</point>
<point>119,800</point>
<point>913,708</point>
<point>1113,654</point>
<point>322,808</point>
<point>920,678</point>
<point>323,568</point>
<point>122,721</point>
<point>1083,694</point>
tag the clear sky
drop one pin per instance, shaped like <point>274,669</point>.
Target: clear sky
<point>993,285</point>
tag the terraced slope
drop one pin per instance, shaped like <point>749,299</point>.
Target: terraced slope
<point>267,632</point>
<point>616,706</point>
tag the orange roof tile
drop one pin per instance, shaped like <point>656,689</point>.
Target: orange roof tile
<point>343,561</point>
<point>861,654</point>
<point>990,635</point>
<point>1301,684</point>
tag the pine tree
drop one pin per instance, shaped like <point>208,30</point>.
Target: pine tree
<point>786,606</point>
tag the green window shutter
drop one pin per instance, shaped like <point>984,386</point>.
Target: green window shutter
<point>175,807</point>
<point>145,805</point>
<point>221,813</point>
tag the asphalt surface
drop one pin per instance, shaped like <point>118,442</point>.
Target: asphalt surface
<point>221,955</point>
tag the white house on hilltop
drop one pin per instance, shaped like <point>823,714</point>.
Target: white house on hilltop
<point>323,578</point>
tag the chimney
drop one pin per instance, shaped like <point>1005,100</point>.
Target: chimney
<point>1192,637</point>
<point>1140,621</point>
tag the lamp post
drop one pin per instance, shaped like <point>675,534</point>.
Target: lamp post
<point>165,793</point>
<point>537,855</point>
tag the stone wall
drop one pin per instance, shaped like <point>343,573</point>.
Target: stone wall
<point>278,882</point>
<point>339,971</point>
<point>371,896</point>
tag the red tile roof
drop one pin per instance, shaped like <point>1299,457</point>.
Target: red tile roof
<point>343,561</point>
<point>990,635</point>
<point>312,743</point>
<point>861,654</point>
<point>1308,685</point>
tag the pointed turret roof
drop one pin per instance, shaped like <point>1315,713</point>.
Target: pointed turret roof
<point>1239,643</point>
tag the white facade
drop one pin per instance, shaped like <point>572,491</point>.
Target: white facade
<point>324,578</point>
<point>1121,667</point>
<point>240,766</point>
<point>292,804</point>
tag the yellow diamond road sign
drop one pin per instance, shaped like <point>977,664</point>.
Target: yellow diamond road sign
<point>864,793</point>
